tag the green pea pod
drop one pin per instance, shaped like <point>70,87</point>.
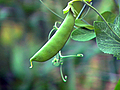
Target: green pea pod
<point>57,41</point>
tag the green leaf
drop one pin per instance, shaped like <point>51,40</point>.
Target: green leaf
<point>80,23</point>
<point>108,41</point>
<point>117,87</point>
<point>109,17</point>
<point>80,34</point>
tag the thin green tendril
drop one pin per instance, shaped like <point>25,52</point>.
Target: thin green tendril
<point>57,61</point>
<point>50,33</point>
<point>86,12</point>
<point>81,11</point>
<point>51,10</point>
<point>54,28</point>
<point>63,78</point>
<point>78,55</point>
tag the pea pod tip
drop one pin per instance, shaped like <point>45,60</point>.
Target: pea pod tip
<point>31,65</point>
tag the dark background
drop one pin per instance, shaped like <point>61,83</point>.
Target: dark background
<point>24,28</point>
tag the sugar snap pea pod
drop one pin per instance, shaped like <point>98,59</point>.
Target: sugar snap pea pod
<point>57,41</point>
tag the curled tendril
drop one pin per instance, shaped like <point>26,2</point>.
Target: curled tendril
<point>57,61</point>
<point>54,29</point>
<point>63,78</point>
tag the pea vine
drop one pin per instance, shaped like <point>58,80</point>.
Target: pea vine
<point>106,30</point>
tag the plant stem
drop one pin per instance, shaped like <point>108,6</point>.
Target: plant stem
<point>86,12</point>
<point>83,8</point>
<point>98,14</point>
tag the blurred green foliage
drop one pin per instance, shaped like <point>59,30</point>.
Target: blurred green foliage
<point>24,28</point>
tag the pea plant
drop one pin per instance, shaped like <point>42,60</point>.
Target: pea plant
<point>106,30</point>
